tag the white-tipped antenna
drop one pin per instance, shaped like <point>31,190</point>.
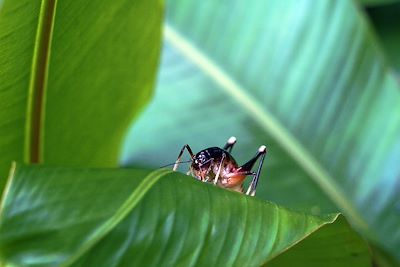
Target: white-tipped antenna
<point>262,149</point>
<point>232,140</point>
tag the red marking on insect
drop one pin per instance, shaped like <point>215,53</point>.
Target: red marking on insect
<point>217,165</point>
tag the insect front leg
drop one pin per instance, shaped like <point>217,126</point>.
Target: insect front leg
<point>187,147</point>
<point>210,162</point>
<point>219,168</point>
<point>230,143</point>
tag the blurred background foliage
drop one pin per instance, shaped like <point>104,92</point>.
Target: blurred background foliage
<point>385,20</point>
<point>315,81</point>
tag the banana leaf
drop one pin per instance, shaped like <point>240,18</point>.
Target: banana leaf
<point>306,78</point>
<point>73,74</point>
<point>58,216</point>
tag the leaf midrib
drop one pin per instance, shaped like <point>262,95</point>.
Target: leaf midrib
<point>38,82</point>
<point>268,123</point>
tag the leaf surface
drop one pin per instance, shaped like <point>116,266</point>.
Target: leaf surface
<point>377,2</point>
<point>54,216</point>
<point>385,20</point>
<point>73,75</point>
<point>305,78</point>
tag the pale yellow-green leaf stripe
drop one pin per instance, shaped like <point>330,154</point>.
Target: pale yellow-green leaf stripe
<point>267,121</point>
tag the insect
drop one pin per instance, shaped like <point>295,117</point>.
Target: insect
<point>216,165</point>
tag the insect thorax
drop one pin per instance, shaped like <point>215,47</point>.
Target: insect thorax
<point>207,162</point>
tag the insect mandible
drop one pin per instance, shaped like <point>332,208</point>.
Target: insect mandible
<point>217,165</point>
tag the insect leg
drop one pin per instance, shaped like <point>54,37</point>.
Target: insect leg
<point>209,168</point>
<point>230,143</point>
<point>187,147</point>
<point>237,178</point>
<point>219,168</point>
<point>254,182</point>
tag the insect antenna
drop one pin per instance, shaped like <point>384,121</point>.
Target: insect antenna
<point>174,163</point>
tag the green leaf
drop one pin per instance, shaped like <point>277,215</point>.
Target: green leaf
<point>377,2</point>
<point>385,20</point>
<point>344,251</point>
<point>305,78</point>
<point>73,75</point>
<point>52,216</point>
